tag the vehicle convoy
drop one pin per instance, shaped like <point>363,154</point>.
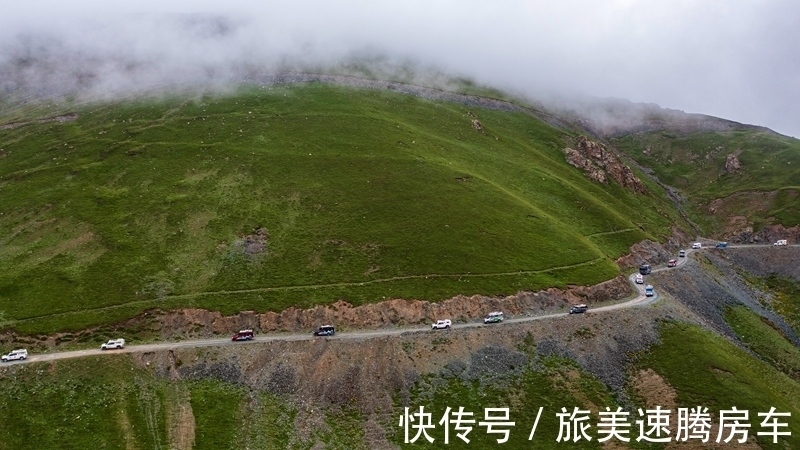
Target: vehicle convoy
<point>639,279</point>
<point>672,263</point>
<point>578,309</point>
<point>442,323</point>
<point>243,335</point>
<point>780,242</point>
<point>325,330</point>
<point>648,291</point>
<point>494,317</point>
<point>645,269</point>
<point>113,344</point>
<point>15,355</point>
<point>697,245</point>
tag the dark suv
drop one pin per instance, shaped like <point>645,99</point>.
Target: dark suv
<point>325,330</point>
<point>645,269</point>
<point>577,309</point>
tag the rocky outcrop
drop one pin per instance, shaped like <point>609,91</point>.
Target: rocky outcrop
<point>732,163</point>
<point>766,235</point>
<point>652,252</point>
<point>599,163</point>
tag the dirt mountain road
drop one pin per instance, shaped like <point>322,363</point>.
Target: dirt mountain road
<point>639,301</point>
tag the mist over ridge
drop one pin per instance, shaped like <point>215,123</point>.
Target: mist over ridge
<point>734,61</point>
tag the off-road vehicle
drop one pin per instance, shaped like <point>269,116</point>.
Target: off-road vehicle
<point>578,309</point>
<point>243,335</point>
<point>112,344</point>
<point>15,355</point>
<point>494,317</point>
<point>441,323</point>
<point>325,330</point>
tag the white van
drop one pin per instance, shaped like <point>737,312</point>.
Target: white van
<point>697,245</point>
<point>780,242</point>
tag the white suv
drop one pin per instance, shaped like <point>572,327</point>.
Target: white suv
<point>697,245</point>
<point>494,317</point>
<point>15,355</point>
<point>442,323</point>
<point>112,344</point>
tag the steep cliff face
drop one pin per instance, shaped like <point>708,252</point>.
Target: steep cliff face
<point>599,164</point>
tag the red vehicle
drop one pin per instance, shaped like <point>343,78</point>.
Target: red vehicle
<point>672,263</point>
<point>243,335</point>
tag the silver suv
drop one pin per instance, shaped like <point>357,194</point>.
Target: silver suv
<point>112,344</point>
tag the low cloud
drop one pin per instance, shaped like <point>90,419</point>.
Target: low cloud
<point>738,59</point>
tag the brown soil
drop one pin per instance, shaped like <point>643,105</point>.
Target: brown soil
<point>180,419</point>
<point>653,252</point>
<point>654,390</point>
<point>393,312</point>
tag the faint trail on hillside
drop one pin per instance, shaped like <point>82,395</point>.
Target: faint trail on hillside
<point>387,280</point>
<point>604,233</point>
<point>155,302</point>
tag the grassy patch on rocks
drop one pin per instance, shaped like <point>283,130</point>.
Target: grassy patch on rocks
<point>786,297</point>
<point>764,338</point>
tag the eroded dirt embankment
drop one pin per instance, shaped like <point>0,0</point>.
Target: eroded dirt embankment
<point>387,313</point>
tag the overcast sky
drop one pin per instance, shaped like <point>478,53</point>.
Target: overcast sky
<point>736,59</point>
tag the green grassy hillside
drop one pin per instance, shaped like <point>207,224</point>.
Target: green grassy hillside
<point>764,191</point>
<point>275,196</point>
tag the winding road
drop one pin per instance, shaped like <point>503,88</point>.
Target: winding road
<point>639,300</point>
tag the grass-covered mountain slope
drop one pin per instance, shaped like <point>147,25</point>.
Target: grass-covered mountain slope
<point>737,179</point>
<point>272,196</point>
